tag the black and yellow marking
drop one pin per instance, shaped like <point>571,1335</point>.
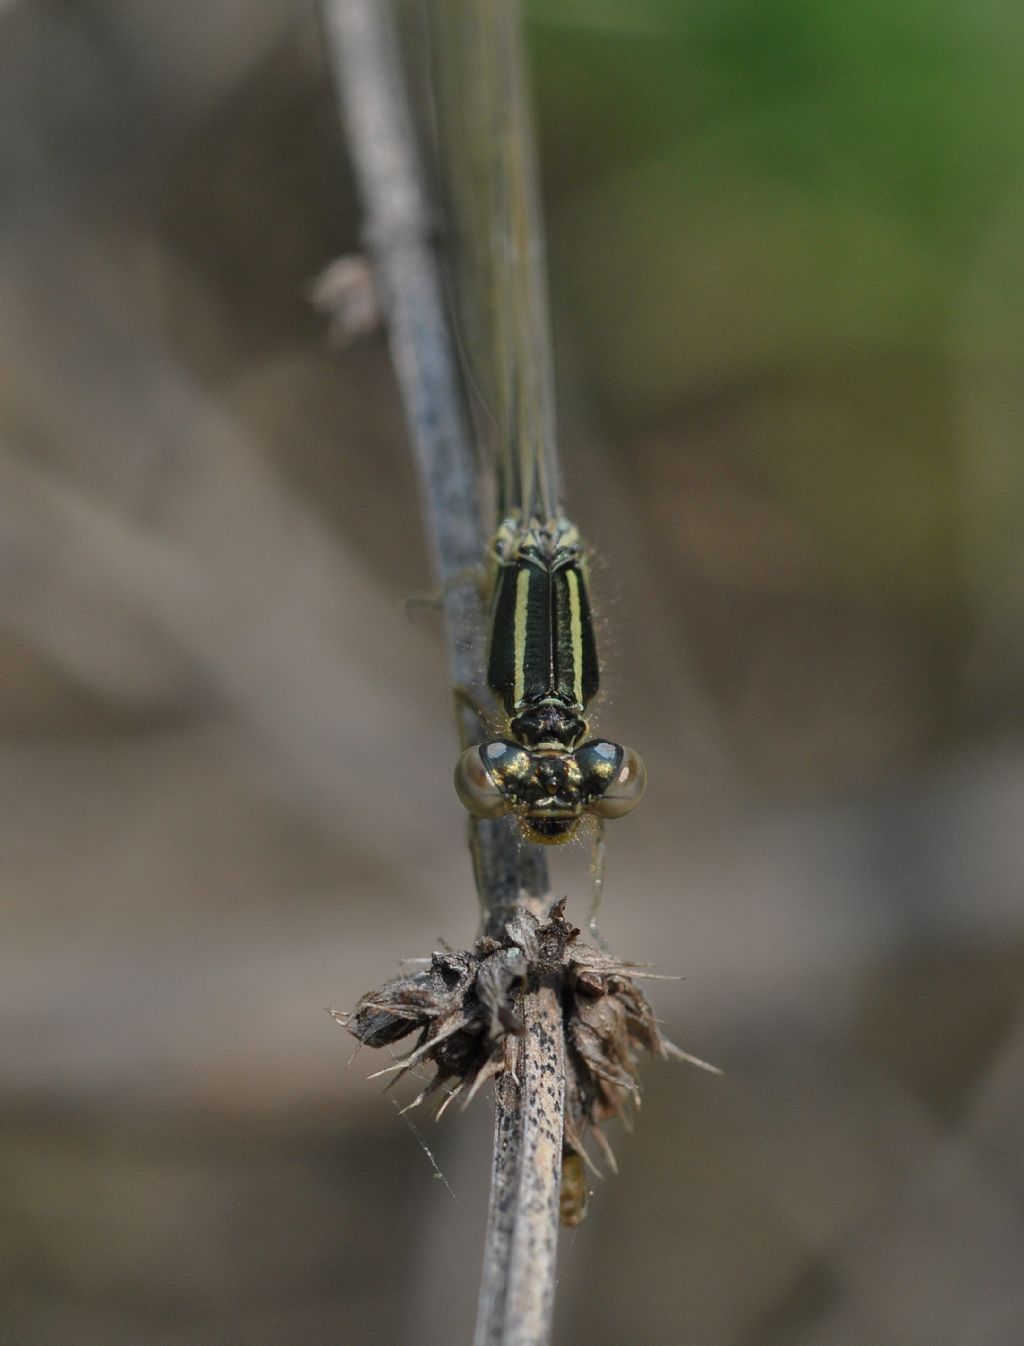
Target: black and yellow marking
<point>542,666</point>
<point>542,647</point>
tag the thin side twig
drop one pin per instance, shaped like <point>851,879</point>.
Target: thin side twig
<point>517,1292</point>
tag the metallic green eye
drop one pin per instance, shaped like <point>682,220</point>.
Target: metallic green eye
<point>614,778</point>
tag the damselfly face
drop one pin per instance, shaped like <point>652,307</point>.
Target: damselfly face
<point>549,790</point>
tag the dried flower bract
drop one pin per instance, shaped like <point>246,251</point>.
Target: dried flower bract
<point>464,1006</point>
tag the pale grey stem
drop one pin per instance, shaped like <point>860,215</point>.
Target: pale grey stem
<point>519,1260</point>
<point>400,238</point>
<point>517,1293</point>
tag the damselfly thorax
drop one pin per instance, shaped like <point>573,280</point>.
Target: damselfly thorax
<point>542,666</point>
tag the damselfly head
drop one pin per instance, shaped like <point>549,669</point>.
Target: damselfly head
<point>549,790</point>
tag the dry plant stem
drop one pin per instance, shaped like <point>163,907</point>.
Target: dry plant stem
<point>517,1291</point>
<point>363,50</point>
<point>400,238</point>
<point>515,1307</point>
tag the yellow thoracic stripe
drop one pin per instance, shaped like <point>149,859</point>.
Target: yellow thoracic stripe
<point>572,580</point>
<point>522,602</point>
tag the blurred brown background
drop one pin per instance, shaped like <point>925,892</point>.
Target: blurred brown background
<point>786,249</point>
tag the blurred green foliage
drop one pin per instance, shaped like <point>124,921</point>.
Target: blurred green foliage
<point>787,211</point>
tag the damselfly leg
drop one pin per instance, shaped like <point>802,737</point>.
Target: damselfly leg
<point>597,861</point>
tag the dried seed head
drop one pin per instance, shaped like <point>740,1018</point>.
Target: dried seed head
<point>464,1007</point>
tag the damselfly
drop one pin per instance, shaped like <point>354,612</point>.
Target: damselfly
<point>542,663</point>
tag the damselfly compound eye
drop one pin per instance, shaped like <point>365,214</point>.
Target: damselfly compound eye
<point>486,777</point>
<point>476,788</point>
<point>614,778</point>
